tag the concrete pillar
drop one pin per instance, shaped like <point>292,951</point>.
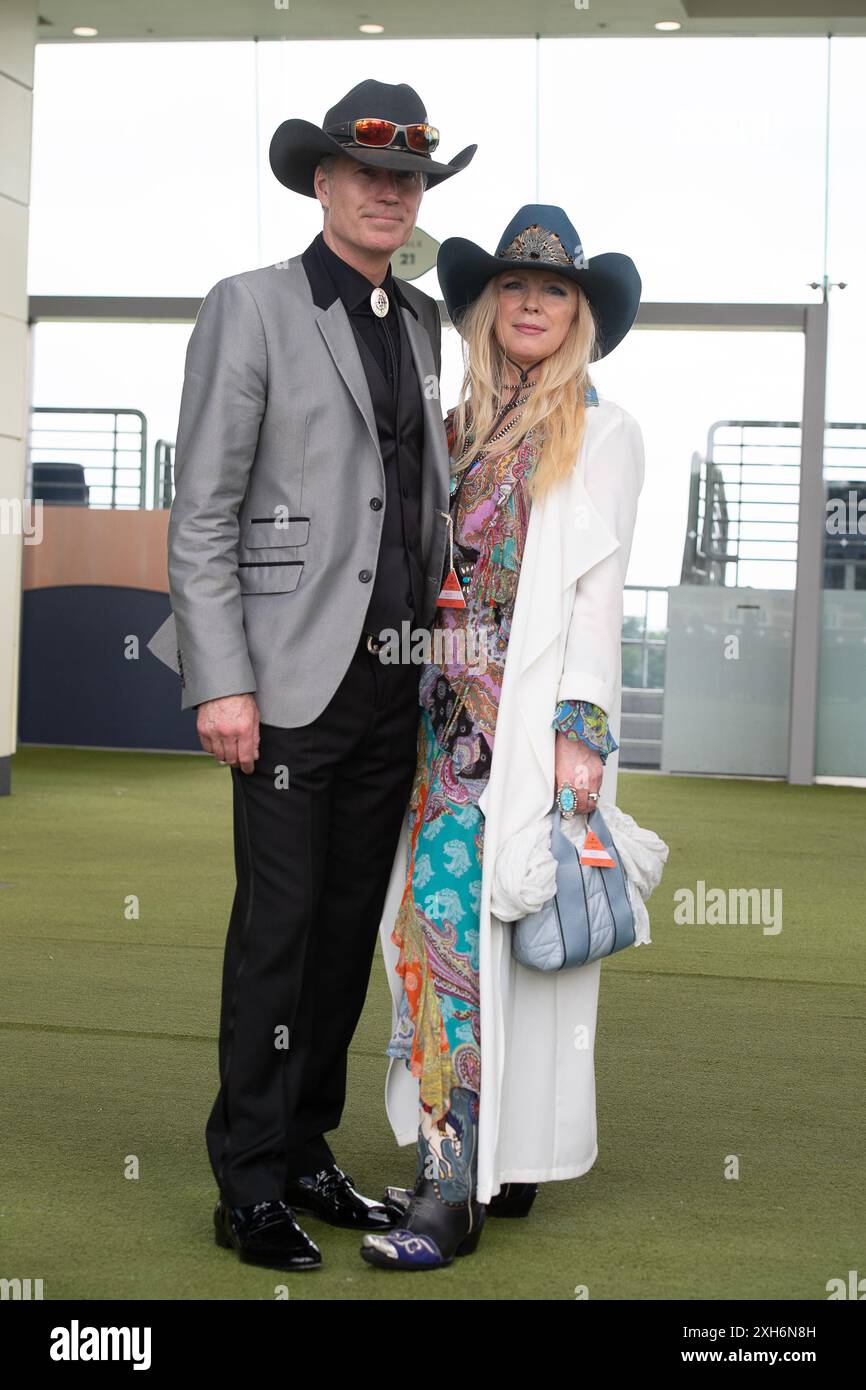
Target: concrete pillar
<point>17,45</point>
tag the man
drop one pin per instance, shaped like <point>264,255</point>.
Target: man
<point>311,474</point>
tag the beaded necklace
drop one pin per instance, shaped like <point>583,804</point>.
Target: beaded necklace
<point>515,400</point>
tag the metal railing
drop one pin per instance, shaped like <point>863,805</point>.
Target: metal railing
<point>102,463</point>
<point>744,504</point>
<point>163,474</point>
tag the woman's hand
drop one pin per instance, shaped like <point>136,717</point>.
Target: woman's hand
<point>581,767</point>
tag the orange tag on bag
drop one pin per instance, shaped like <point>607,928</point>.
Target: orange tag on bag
<point>451,593</point>
<point>594,852</point>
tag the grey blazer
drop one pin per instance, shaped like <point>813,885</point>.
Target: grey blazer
<point>272,541</point>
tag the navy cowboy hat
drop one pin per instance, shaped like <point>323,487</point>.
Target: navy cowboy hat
<point>298,146</point>
<point>540,236</point>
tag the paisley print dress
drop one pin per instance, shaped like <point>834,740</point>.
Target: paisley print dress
<point>436,929</point>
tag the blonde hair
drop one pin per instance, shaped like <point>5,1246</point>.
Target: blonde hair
<point>555,409</point>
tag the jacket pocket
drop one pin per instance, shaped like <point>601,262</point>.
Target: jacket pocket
<point>267,531</point>
<point>270,573</point>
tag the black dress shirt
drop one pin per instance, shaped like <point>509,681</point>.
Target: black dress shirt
<point>331,278</point>
<point>399,582</point>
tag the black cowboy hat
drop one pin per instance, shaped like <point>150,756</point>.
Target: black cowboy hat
<point>298,146</point>
<point>541,236</point>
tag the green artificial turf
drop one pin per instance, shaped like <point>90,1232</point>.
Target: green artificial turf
<point>713,1041</point>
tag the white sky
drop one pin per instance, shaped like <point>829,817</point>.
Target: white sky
<point>703,159</point>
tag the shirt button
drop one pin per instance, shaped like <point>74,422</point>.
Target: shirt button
<point>365,576</point>
<point>376,503</point>
<point>405,492</point>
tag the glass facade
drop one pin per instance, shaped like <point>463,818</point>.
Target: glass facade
<point>729,169</point>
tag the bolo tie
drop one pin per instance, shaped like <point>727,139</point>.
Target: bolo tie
<point>380,304</point>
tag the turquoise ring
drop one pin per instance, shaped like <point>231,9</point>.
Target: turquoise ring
<point>566,799</point>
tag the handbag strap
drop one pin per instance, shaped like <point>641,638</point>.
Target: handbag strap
<point>614,880</point>
<point>571,889</point>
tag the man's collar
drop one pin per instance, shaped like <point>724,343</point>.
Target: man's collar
<point>338,279</point>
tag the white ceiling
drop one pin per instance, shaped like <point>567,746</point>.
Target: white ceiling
<point>333,19</point>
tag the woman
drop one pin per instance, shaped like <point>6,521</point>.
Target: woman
<point>523,529</point>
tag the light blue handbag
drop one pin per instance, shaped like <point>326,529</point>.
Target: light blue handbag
<point>589,916</point>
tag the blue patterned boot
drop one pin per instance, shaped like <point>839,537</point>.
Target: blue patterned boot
<point>443,1219</point>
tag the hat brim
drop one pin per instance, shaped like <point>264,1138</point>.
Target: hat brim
<point>610,282</point>
<point>298,146</point>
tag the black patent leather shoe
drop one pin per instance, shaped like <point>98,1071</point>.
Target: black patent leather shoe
<point>431,1234</point>
<point>397,1199</point>
<point>265,1234</point>
<point>330,1194</point>
<point>513,1199</point>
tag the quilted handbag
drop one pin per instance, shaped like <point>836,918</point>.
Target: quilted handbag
<point>590,914</point>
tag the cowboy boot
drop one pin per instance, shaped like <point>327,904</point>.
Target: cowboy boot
<point>512,1199</point>
<point>443,1219</point>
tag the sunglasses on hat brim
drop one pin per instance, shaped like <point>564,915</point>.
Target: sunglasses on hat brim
<point>376,133</point>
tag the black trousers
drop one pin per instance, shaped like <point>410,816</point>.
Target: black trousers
<point>316,826</point>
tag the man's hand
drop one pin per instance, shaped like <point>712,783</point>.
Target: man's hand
<point>581,767</point>
<point>229,729</point>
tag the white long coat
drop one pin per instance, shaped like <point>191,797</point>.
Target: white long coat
<point>537,1119</point>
